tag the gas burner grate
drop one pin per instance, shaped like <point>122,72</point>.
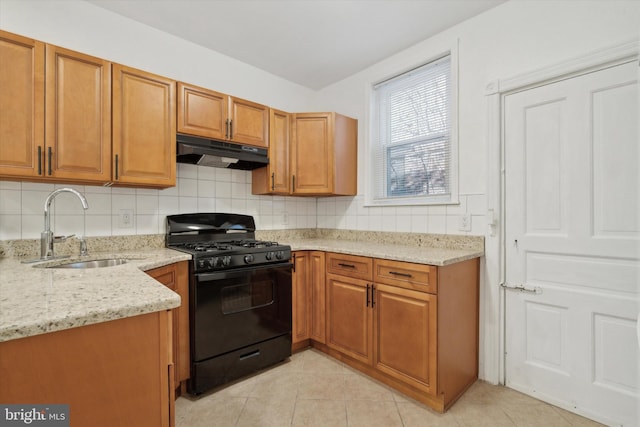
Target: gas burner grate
<point>253,243</point>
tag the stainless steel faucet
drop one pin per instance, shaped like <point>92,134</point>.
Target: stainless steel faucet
<point>46,237</point>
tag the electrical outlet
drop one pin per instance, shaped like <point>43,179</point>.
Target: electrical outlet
<point>464,222</point>
<point>125,220</point>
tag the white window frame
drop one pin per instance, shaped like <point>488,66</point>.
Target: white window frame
<point>370,169</point>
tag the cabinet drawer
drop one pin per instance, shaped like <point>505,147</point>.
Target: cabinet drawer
<point>350,265</point>
<point>407,275</point>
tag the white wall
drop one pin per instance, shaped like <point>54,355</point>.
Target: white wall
<point>514,38</point>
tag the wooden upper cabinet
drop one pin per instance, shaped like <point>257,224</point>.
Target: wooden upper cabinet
<point>248,122</point>
<point>21,105</point>
<point>144,128</point>
<point>275,177</point>
<point>209,114</point>
<point>323,154</point>
<point>202,112</point>
<point>78,116</point>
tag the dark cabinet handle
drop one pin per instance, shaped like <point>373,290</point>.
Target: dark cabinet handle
<point>373,294</point>
<point>230,129</point>
<point>116,167</point>
<point>273,181</point>
<point>293,183</point>
<point>294,263</point>
<point>50,157</point>
<point>226,129</point>
<point>395,273</point>
<point>39,160</point>
<point>367,304</point>
<point>346,265</point>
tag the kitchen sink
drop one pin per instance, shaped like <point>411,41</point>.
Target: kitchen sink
<point>96,263</point>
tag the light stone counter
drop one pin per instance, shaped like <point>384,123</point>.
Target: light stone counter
<point>432,249</point>
<point>420,255</point>
<point>36,300</point>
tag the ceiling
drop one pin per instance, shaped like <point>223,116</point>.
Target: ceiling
<point>310,42</point>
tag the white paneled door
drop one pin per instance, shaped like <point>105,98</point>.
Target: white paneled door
<point>572,236</point>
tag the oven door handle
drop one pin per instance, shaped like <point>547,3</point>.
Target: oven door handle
<point>230,274</point>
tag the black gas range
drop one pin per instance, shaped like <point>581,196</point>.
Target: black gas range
<point>239,297</point>
<point>219,241</point>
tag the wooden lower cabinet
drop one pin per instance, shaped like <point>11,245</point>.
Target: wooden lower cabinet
<point>411,326</point>
<point>405,336</point>
<point>349,317</point>
<point>111,374</point>
<point>308,314</point>
<point>176,277</point>
<point>300,318</point>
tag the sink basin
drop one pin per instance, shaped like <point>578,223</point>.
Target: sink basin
<point>96,263</point>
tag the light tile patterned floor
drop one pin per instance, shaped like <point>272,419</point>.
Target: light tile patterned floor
<point>313,389</point>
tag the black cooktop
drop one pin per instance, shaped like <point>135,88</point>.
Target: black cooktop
<point>220,241</point>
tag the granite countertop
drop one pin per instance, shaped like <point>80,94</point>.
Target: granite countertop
<point>398,252</point>
<point>36,300</point>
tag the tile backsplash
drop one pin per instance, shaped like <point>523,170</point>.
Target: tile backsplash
<point>206,189</point>
<point>198,189</point>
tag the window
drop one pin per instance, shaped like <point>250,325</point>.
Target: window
<point>411,138</point>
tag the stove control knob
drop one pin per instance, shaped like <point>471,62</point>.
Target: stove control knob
<point>213,262</point>
<point>225,261</point>
<point>202,263</point>
<point>280,254</point>
<point>269,256</point>
<point>248,259</point>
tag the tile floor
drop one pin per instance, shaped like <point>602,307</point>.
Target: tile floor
<point>313,389</point>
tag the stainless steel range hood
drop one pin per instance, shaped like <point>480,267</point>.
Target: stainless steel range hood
<point>219,154</point>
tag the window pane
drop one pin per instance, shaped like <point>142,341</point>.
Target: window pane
<point>411,148</point>
<point>418,169</point>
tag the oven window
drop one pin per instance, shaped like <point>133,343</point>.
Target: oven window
<point>246,297</point>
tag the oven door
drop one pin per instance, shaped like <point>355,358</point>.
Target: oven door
<point>236,308</point>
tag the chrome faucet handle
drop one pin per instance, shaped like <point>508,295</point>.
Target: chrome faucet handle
<point>83,247</point>
<point>58,239</point>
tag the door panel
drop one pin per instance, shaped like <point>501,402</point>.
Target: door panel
<point>22,105</point>
<point>78,118</point>
<point>571,160</point>
<point>349,318</point>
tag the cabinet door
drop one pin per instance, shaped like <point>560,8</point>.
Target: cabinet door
<point>78,116</point>
<point>349,317</point>
<point>275,178</point>
<point>248,122</point>
<point>176,278</point>
<point>300,297</point>
<point>317,296</point>
<point>405,341</point>
<point>202,112</point>
<point>144,128</point>
<point>21,105</point>
<point>110,374</point>
<point>312,154</point>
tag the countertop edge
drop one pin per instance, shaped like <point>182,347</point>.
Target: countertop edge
<point>166,300</point>
<point>420,255</point>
